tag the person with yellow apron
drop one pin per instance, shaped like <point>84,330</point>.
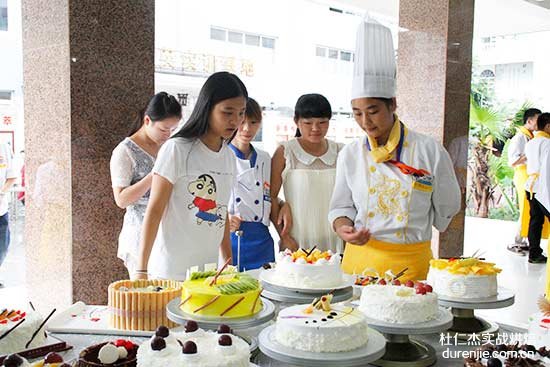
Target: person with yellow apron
<point>536,187</point>
<point>518,160</point>
<point>394,184</point>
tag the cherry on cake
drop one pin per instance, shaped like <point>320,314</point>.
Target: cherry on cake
<point>321,327</point>
<point>466,278</point>
<point>51,360</point>
<point>20,330</point>
<point>194,347</point>
<point>307,269</point>
<point>391,301</point>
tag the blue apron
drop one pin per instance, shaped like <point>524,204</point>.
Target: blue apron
<point>257,246</point>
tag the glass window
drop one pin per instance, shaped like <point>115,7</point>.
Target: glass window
<point>3,15</point>
<point>332,53</point>
<point>218,34</point>
<point>344,55</point>
<point>252,40</point>
<point>235,37</point>
<point>268,42</point>
<point>321,51</point>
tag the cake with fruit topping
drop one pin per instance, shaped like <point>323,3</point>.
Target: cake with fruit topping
<point>321,327</point>
<point>463,277</point>
<point>20,330</point>
<point>15,360</point>
<point>141,304</point>
<point>194,347</point>
<point>391,301</point>
<point>221,294</point>
<point>307,269</point>
<point>119,353</point>
<point>503,355</point>
<point>51,360</point>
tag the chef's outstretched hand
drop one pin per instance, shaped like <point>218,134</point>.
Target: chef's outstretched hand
<point>352,235</point>
<point>234,223</point>
<point>284,219</point>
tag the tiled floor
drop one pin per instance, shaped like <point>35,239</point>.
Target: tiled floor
<point>488,236</point>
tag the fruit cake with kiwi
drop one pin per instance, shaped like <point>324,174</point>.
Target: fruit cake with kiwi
<point>227,294</point>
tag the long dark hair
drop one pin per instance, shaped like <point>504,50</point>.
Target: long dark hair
<point>311,105</point>
<point>161,106</point>
<point>218,87</point>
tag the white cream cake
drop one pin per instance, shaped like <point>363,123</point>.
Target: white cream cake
<point>18,338</point>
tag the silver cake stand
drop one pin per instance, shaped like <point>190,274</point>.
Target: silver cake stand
<point>465,323</point>
<point>175,314</point>
<point>373,350</point>
<point>401,351</point>
<point>289,295</point>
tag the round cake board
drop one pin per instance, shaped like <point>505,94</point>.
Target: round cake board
<point>175,314</point>
<point>267,279</point>
<point>504,298</point>
<point>443,322</point>
<point>373,350</point>
<point>282,295</point>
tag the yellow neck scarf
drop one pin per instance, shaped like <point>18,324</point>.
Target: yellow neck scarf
<point>542,134</point>
<point>384,153</point>
<point>525,131</point>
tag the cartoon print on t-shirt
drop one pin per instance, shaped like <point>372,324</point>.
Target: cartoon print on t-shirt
<point>204,191</point>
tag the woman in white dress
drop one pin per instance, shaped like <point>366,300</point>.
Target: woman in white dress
<point>306,168</point>
<point>186,222</point>
<point>131,164</point>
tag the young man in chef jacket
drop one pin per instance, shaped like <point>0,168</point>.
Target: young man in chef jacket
<point>537,186</point>
<point>518,161</point>
<point>393,184</point>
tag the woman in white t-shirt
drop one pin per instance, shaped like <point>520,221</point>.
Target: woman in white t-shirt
<point>186,221</point>
<point>131,164</point>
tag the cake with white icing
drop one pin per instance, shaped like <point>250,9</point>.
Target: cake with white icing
<point>463,278</point>
<point>194,347</point>
<point>308,269</point>
<point>26,332</point>
<point>411,303</point>
<point>336,328</point>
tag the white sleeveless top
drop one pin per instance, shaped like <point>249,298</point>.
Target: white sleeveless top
<point>308,182</point>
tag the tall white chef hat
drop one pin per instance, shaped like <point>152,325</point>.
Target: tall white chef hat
<point>374,70</point>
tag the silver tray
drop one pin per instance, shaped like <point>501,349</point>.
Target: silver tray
<point>443,322</point>
<point>266,277</point>
<point>372,351</point>
<point>175,314</point>
<point>286,296</point>
<point>504,298</point>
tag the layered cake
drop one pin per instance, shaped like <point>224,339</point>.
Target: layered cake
<point>463,278</point>
<point>195,347</point>
<point>20,330</point>
<point>321,327</point>
<point>216,294</point>
<point>141,304</point>
<point>307,269</point>
<point>503,355</point>
<point>119,353</point>
<point>409,303</point>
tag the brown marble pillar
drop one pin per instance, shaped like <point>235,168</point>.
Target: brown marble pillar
<point>433,87</point>
<point>88,67</point>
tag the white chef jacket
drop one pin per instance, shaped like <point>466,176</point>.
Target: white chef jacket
<point>537,151</point>
<point>516,147</point>
<point>395,207</point>
<point>250,198</point>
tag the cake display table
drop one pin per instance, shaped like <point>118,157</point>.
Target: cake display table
<point>466,323</point>
<point>401,351</point>
<point>373,350</point>
<point>175,314</point>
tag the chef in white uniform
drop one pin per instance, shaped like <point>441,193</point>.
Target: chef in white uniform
<point>538,185</point>
<point>393,184</point>
<point>250,203</point>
